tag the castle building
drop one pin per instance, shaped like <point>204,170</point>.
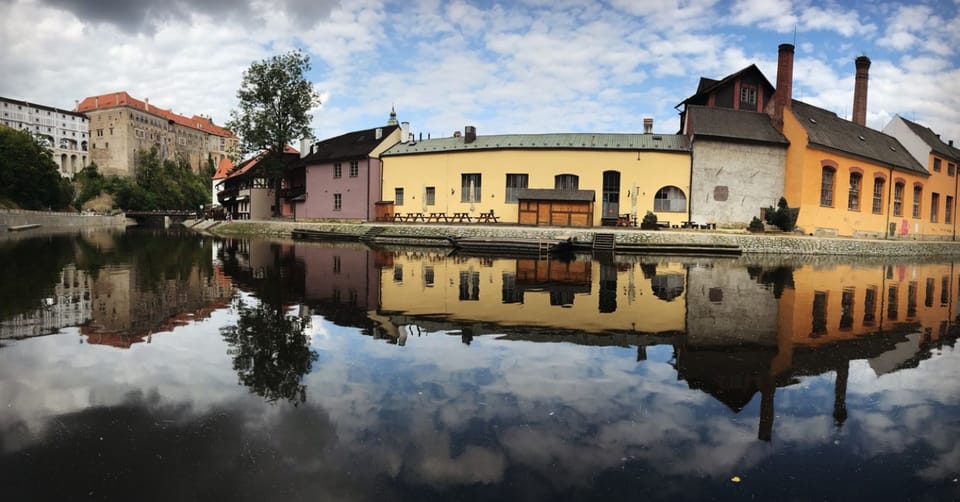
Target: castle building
<point>64,132</point>
<point>122,126</point>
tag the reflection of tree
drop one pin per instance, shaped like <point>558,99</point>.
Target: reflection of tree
<point>776,278</point>
<point>271,353</point>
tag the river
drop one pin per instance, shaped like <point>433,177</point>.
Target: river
<point>157,365</point>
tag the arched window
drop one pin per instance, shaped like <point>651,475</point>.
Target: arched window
<point>566,182</point>
<point>670,198</point>
<point>898,198</point>
<point>826,186</point>
<point>878,195</point>
<point>853,195</point>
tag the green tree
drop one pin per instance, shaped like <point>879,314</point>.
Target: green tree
<point>28,174</point>
<point>274,110</point>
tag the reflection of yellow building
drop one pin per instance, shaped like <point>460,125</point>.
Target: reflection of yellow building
<point>621,173</point>
<point>587,296</point>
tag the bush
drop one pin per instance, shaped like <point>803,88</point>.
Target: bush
<point>781,217</point>
<point>649,220</point>
<point>755,225</point>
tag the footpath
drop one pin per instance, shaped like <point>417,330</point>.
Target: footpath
<point>749,243</point>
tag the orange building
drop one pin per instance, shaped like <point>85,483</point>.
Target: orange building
<point>850,180</point>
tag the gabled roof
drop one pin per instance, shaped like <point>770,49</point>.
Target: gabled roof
<point>290,155</point>
<point>827,130</point>
<point>732,124</point>
<point>118,99</point>
<point>352,145</point>
<point>560,141</point>
<point>933,140</point>
<point>708,85</point>
<point>223,169</point>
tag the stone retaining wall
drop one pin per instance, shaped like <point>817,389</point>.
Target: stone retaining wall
<point>15,217</point>
<point>781,244</point>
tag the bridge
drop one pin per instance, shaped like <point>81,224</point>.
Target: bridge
<point>161,217</point>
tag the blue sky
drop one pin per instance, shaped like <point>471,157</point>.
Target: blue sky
<point>527,66</point>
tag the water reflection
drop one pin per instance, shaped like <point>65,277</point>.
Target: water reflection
<point>405,374</point>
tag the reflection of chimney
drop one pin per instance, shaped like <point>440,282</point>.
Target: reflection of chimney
<point>404,132</point>
<point>469,134</point>
<point>860,91</point>
<point>648,125</point>
<point>783,97</point>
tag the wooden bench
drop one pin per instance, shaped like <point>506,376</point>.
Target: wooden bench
<point>663,224</point>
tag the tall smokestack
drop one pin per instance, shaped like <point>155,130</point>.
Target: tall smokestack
<point>783,97</point>
<point>860,91</point>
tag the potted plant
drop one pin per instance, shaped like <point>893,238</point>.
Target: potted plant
<point>649,222</point>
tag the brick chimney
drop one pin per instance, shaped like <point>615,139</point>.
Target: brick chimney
<point>647,125</point>
<point>469,134</point>
<point>860,91</point>
<point>783,97</point>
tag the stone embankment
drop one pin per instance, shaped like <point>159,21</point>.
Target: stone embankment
<point>779,244</point>
<point>47,219</point>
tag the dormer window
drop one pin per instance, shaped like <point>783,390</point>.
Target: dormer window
<point>748,96</point>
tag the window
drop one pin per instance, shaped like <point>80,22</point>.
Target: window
<point>853,198</point>
<point>354,168</point>
<point>337,170</point>
<point>337,201</point>
<point>470,187</point>
<point>566,182</point>
<point>336,264</point>
<point>878,195</point>
<point>950,169</point>
<point>398,196</point>
<point>469,285</point>
<point>430,196</point>
<point>936,165</point>
<point>670,199</point>
<point>898,199</point>
<point>99,132</point>
<point>948,211</point>
<point>917,193</point>
<point>934,206</point>
<point>826,187</point>
<point>515,183</point>
<point>748,95</point>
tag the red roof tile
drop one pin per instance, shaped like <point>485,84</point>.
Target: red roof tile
<point>116,99</point>
<point>224,168</point>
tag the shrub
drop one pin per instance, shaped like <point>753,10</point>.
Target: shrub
<point>649,219</point>
<point>781,217</point>
<point>755,225</point>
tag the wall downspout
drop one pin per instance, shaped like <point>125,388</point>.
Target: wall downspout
<point>368,187</point>
<point>690,185</point>
<point>953,212</point>
<point>886,229</point>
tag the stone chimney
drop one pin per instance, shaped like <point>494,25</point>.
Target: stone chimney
<point>146,104</point>
<point>783,97</point>
<point>648,125</point>
<point>378,133</point>
<point>304,147</point>
<point>860,91</point>
<point>404,132</point>
<point>469,134</point>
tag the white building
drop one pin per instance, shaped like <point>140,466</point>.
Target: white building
<point>63,131</point>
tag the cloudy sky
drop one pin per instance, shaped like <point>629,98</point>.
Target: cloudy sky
<point>511,67</point>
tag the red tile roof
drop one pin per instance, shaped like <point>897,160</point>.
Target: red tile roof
<point>115,99</point>
<point>224,168</point>
<point>248,164</point>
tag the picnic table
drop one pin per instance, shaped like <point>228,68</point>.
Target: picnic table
<point>487,218</point>
<point>438,217</point>
<point>461,217</point>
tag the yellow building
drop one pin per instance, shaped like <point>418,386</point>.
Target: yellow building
<point>573,179</point>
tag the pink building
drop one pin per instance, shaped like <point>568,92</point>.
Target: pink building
<point>339,178</point>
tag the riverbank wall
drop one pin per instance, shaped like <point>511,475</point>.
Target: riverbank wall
<point>749,243</point>
<point>16,217</point>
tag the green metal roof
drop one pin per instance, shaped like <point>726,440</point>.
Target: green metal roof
<point>560,141</point>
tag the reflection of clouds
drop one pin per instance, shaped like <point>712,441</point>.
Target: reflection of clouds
<point>439,413</point>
